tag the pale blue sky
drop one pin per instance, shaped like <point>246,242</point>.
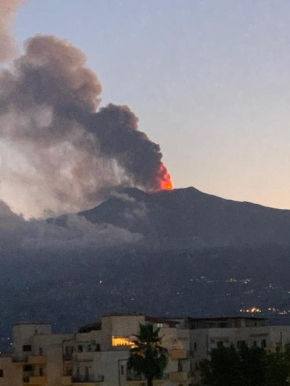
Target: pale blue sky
<point>209,80</point>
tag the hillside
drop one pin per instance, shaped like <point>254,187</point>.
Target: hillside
<point>187,218</point>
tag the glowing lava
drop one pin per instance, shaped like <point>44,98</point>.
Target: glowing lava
<point>165,179</point>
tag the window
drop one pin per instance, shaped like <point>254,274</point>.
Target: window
<point>1,373</point>
<point>255,344</point>
<point>98,347</point>
<point>80,348</point>
<point>196,366</point>
<point>195,346</point>
<point>220,344</point>
<point>68,372</point>
<point>69,350</point>
<point>122,341</point>
<point>26,347</point>
<point>180,367</point>
<point>122,371</point>
<point>263,343</point>
<point>27,368</point>
<point>41,371</point>
<point>40,351</point>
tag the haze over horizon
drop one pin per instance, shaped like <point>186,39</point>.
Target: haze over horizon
<point>208,81</point>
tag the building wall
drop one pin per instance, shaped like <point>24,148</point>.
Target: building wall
<point>23,335</point>
<point>57,360</point>
<point>12,374</point>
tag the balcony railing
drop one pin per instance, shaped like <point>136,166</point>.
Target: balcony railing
<point>179,376</point>
<point>178,354</point>
<point>34,380</point>
<point>37,380</point>
<point>88,379</point>
<point>67,357</point>
<point>37,359</point>
<point>66,380</point>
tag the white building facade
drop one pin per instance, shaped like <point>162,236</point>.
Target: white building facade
<point>97,354</point>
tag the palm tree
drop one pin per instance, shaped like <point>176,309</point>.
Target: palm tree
<point>148,357</point>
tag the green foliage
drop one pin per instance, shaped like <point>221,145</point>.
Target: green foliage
<point>252,366</point>
<point>278,368</point>
<point>148,357</point>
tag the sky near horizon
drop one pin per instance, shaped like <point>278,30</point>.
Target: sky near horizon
<point>209,81</point>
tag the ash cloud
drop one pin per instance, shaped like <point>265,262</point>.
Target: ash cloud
<point>8,9</point>
<point>71,151</point>
<point>16,233</point>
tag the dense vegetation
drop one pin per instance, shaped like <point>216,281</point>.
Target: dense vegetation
<point>253,366</point>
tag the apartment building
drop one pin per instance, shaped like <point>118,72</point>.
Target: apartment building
<point>97,354</point>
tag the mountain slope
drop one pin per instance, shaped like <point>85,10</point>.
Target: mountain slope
<point>186,218</point>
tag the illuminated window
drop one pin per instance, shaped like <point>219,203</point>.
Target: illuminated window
<point>122,341</point>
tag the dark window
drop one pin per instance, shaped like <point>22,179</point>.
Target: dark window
<point>263,343</point>
<point>98,347</point>
<point>80,348</point>
<point>122,370</point>
<point>254,344</point>
<point>1,373</point>
<point>69,372</point>
<point>27,368</point>
<point>195,346</point>
<point>41,372</point>
<point>40,351</point>
<point>26,347</point>
<point>180,368</point>
<point>196,366</point>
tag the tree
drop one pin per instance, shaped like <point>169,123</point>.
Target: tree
<point>223,368</point>
<point>148,357</point>
<point>252,366</point>
<point>278,368</point>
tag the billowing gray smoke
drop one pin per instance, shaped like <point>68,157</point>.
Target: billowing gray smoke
<point>8,10</point>
<point>70,153</point>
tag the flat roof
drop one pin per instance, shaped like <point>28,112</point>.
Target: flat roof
<point>224,318</point>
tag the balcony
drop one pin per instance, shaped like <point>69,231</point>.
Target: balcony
<point>178,354</point>
<point>67,357</point>
<point>143,382</point>
<point>88,380</point>
<point>87,356</point>
<point>37,381</point>
<point>37,360</point>
<point>66,381</point>
<point>138,380</point>
<point>179,376</point>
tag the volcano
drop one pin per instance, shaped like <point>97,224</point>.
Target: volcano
<point>196,254</point>
<point>188,218</point>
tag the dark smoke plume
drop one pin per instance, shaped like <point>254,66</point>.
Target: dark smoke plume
<point>8,9</point>
<point>70,153</point>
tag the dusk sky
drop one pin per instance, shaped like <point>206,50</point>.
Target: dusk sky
<point>209,81</point>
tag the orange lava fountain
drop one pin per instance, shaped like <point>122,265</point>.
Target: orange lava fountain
<point>165,179</point>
